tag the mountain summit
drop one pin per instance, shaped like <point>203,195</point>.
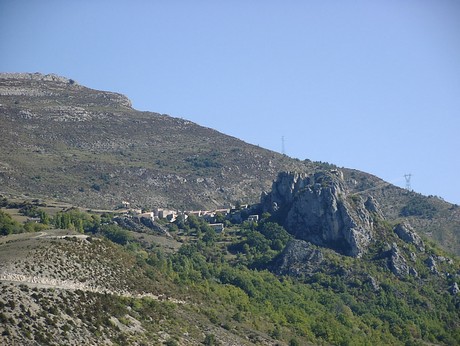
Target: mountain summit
<point>90,147</point>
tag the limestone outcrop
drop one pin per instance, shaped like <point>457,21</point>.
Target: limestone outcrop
<point>432,265</point>
<point>318,209</point>
<point>298,258</point>
<point>38,85</point>
<point>37,77</point>
<point>397,262</point>
<point>373,206</point>
<point>405,232</point>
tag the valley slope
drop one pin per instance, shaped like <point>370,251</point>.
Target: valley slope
<point>90,148</point>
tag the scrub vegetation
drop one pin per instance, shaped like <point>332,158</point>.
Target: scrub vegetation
<point>221,283</point>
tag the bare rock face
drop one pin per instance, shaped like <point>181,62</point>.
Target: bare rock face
<point>298,258</point>
<point>397,262</point>
<point>317,209</point>
<point>406,233</point>
<point>372,205</point>
<point>432,265</point>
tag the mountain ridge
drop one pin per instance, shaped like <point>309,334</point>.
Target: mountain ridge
<point>127,145</point>
<point>91,148</point>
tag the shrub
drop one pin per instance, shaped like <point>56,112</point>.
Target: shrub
<point>210,340</point>
<point>8,225</point>
<point>116,234</point>
<point>418,206</point>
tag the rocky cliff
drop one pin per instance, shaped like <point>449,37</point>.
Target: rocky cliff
<point>321,213</point>
<point>298,258</point>
<point>318,208</point>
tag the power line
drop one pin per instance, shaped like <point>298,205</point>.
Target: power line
<point>407,177</point>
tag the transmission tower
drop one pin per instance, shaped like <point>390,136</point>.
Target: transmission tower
<point>407,177</point>
<point>283,150</point>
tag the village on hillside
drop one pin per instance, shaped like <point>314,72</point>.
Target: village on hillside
<point>209,216</point>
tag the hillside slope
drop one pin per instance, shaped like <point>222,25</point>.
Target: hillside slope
<point>250,285</point>
<point>59,288</point>
<point>90,148</point>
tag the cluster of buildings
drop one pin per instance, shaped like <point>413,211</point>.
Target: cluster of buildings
<point>171,215</point>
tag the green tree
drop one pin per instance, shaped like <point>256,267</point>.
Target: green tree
<point>277,235</point>
<point>116,234</point>
<point>44,217</point>
<point>220,218</point>
<point>8,225</point>
<point>34,227</point>
<point>193,221</point>
<point>210,236</point>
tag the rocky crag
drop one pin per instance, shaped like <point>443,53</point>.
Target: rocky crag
<point>322,214</point>
<point>319,209</point>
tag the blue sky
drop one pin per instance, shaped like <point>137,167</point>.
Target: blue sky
<point>371,85</point>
